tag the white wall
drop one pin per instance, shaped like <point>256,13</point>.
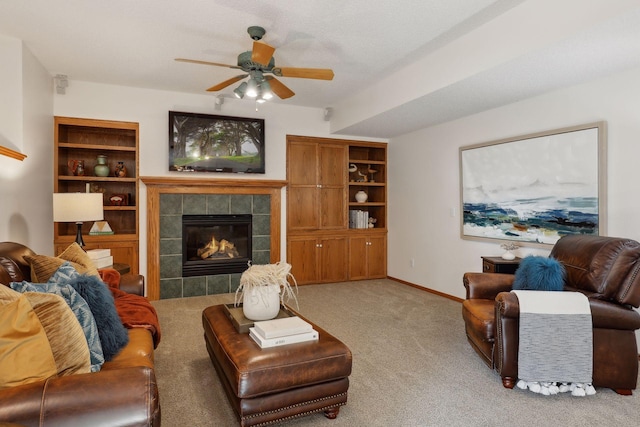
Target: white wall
<point>150,108</point>
<point>25,187</point>
<point>424,177</point>
<point>11,105</point>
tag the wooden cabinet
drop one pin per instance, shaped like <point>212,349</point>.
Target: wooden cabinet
<point>316,185</point>
<point>83,140</point>
<point>367,256</point>
<point>124,249</point>
<point>318,259</point>
<point>323,176</point>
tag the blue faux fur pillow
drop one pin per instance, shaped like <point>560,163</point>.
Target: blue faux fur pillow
<point>113,335</point>
<point>537,273</point>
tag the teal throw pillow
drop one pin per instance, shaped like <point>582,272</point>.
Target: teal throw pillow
<point>113,335</point>
<point>537,273</point>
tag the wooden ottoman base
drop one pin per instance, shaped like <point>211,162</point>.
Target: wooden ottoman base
<point>275,384</point>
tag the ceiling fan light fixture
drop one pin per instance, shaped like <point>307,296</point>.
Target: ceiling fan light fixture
<point>257,62</point>
<point>265,90</point>
<point>240,90</point>
<point>252,88</point>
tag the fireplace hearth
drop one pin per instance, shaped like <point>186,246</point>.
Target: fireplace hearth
<point>215,244</point>
<point>169,198</point>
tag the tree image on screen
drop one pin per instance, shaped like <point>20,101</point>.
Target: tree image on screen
<point>206,143</point>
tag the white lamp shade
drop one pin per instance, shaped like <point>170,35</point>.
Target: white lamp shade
<point>77,207</point>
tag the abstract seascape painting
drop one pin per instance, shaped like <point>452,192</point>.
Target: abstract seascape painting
<point>535,188</point>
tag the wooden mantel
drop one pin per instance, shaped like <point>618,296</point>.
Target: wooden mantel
<point>157,185</point>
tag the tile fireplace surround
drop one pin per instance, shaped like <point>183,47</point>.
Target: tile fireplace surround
<point>166,198</point>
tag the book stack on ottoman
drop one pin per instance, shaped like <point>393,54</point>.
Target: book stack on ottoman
<point>288,330</point>
<point>266,385</point>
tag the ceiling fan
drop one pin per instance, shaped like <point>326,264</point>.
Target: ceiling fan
<point>259,65</point>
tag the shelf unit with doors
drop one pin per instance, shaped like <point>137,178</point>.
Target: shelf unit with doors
<point>83,140</point>
<point>323,176</point>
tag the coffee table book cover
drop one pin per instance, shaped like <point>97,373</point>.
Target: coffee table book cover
<point>282,327</point>
<point>278,341</point>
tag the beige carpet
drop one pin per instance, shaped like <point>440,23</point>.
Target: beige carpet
<point>412,366</point>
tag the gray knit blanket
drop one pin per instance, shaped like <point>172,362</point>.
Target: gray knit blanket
<point>556,342</point>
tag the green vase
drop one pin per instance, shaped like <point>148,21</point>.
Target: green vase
<point>101,168</point>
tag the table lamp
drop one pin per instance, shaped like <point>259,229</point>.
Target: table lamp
<point>77,207</point>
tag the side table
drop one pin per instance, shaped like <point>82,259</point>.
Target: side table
<point>120,268</point>
<point>499,265</point>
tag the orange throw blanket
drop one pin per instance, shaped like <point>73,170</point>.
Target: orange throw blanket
<point>135,311</point>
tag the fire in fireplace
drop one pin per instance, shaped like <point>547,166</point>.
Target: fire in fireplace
<point>215,244</point>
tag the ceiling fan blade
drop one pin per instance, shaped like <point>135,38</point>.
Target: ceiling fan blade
<point>304,73</point>
<point>262,53</point>
<point>226,83</point>
<point>279,88</point>
<point>195,61</point>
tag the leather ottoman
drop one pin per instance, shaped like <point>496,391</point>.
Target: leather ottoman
<point>279,383</point>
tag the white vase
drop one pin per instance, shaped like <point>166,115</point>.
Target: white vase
<point>361,197</point>
<point>261,302</point>
<point>508,255</point>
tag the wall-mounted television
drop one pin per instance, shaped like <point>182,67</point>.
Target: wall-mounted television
<point>210,143</point>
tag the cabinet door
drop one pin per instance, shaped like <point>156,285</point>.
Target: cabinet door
<point>332,178</point>
<point>333,259</point>
<point>317,186</point>
<point>302,190</point>
<point>302,254</point>
<point>332,165</point>
<point>302,163</point>
<point>302,207</point>
<point>332,212</point>
<point>358,258</point>
<point>377,257</point>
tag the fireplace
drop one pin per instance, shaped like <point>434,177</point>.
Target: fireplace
<point>215,244</point>
<point>169,198</point>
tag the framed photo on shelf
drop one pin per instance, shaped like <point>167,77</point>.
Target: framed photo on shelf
<point>535,188</point>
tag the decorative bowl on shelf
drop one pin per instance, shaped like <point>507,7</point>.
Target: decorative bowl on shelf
<point>361,196</point>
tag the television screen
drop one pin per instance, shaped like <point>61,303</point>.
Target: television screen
<point>208,143</point>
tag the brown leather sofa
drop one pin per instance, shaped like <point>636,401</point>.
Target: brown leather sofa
<point>123,393</point>
<point>606,270</point>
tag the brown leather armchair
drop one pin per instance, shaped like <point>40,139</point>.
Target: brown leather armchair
<point>606,270</point>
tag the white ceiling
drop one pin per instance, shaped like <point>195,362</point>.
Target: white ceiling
<point>134,43</point>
